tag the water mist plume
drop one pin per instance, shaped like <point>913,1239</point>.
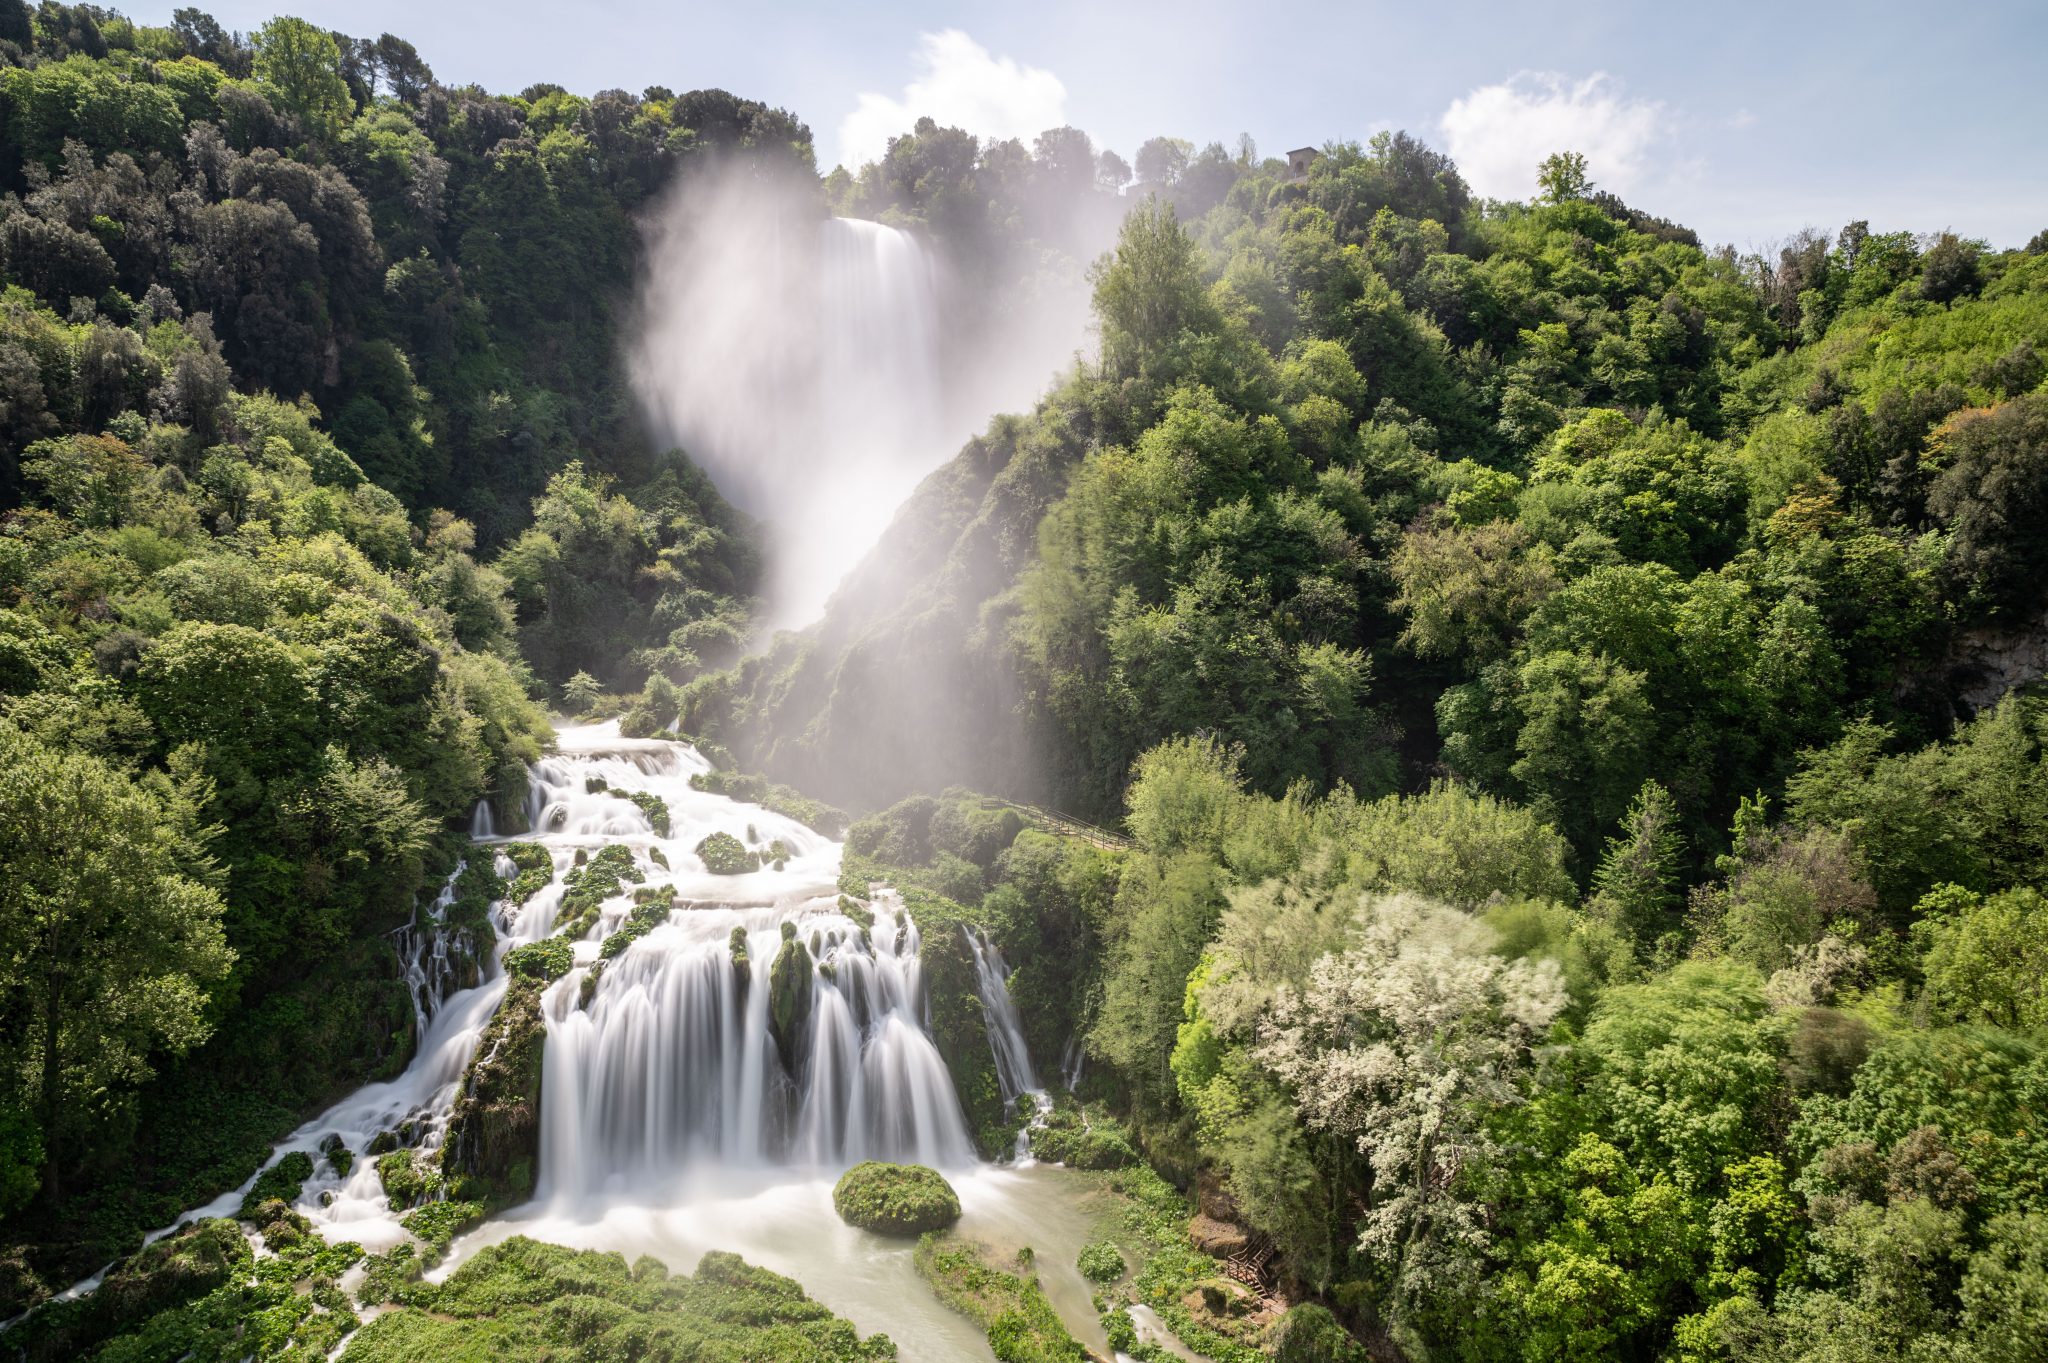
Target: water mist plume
<point>820,367</point>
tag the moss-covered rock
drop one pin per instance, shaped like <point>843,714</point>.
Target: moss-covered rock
<point>653,806</point>
<point>541,962</point>
<point>895,1199</point>
<point>494,1130</point>
<point>789,999</point>
<point>536,867</point>
<point>958,1026</point>
<point>408,1176</point>
<point>651,906</point>
<point>281,1181</point>
<point>527,1300</point>
<point>182,1267</point>
<point>758,790</point>
<point>1021,1323</point>
<point>339,1157</point>
<point>725,855</point>
<point>1091,1140</point>
<point>590,883</point>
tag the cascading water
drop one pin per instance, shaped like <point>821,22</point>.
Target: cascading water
<point>1014,1072</point>
<point>673,1120</point>
<point>673,1062</point>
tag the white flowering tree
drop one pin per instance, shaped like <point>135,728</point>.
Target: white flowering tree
<point>1402,1042</point>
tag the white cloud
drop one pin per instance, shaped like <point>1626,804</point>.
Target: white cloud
<point>1499,134</point>
<point>961,85</point>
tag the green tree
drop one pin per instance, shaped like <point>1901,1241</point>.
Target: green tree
<point>108,938</point>
<point>1636,885</point>
<point>1985,960</point>
<point>1562,177</point>
<point>299,68</point>
<point>1149,291</point>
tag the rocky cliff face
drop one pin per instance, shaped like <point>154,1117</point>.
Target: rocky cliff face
<point>1991,660</point>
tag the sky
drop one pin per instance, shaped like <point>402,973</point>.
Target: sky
<point>1746,121</point>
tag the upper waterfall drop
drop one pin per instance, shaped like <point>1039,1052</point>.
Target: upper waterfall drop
<point>798,359</point>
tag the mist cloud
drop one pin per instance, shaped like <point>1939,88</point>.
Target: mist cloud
<point>1499,134</point>
<point>962,85</point>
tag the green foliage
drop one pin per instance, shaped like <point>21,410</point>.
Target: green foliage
<point>1021,1323</point>
<point>299,68</point>
<point>1093,1140</point>
<point>536,869</point>
<point>895,1199</point>
<point>281,1181</point>
<point>112,935</point>
<point>438,1223</point>
<point>1985,960</point>
<point>758,790</point>
<point>407,1178</point>
<point>526,1300</point>
<point>586,888</point>
<point>725,855</point>
<point>543,961</point>
<point>1100,1262</point>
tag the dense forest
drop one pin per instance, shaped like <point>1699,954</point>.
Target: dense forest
<point>1544,714</point>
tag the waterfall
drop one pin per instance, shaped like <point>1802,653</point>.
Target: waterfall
<point>669,1065</point>
<point>432,970</point>
<point>481,824</point>
<point>799,361</point>
<point>1005,1031</point>
<point>1006,1038</point>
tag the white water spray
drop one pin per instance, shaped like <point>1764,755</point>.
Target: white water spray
<point>817,369</point>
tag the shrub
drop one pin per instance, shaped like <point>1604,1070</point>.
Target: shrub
<point>1100,1262</point>
<point>1101,1144</point>
<point>437,1223</point>
<point>895,1199</point>
<point>1308,1333</point>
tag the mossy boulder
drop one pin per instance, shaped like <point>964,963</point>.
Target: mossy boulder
<point>280,1181</point>
<point>895,1199</point>
<point>541,962</point>
<point>525,1299</point>
<point>958,1025</point>
<point>408,1177</point>
<point>182,1267</point>
<point>1091,1140</point>
<point>494,1131</point>
<point>653,806</point>
<point>536,868</point>
<point>725,855</point>
<point>1100,1262</point>
<point>789,999</point>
